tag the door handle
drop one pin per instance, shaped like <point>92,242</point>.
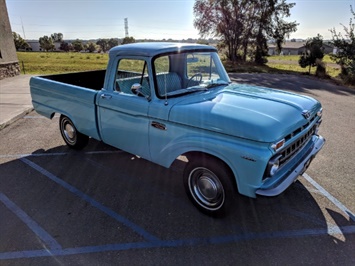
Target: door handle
<point>105,96</point>
<point>158,125</point>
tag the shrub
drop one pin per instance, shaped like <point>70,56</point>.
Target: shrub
<point>321,69</point>
<point>314,53</point>
<point>345,55</point>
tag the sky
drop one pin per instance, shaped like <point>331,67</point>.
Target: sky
<point>151,19</point>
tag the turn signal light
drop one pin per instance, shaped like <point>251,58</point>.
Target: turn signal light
<point>278,145</point>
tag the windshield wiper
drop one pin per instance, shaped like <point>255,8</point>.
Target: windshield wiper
<point>198,88</point>
<point>213,85</point>
<point>195,89</point>
<point>205,87</point>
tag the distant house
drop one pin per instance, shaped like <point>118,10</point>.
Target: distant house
<point>35,46</point>
<point>329,48</point>
<point>296,48</point>
<point>288,48</point>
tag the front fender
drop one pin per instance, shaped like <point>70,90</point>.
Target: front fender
<point>246,159</point>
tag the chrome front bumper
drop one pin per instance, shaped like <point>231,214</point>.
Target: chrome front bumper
<point>300,169</point>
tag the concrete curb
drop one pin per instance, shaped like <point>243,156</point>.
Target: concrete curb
<point>15,118</point>
<point>15,99</point>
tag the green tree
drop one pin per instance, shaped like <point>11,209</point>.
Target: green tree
<point>91,47</point>
<point>278,28</point>
<point>66,47</point>
<point>103,44</point>
<point>314,53</point>
<point>112,42</point>
<point>345,55</point>
<point>78,45</point>
<point>244,26</point>
<point>221,19</point>
<point>20,43</point>
<point>46,43</point>
<point>127,40</point>
<point>57,37</point>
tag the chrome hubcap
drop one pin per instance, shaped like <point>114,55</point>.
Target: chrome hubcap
<point>206,188</point>
<point>69,132</point>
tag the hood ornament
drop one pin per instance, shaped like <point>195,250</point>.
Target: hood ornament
<point>306,114</point>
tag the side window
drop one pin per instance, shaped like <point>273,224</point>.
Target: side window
<point>162,64</point>
<point>129,72</point>
<point>167,80</point>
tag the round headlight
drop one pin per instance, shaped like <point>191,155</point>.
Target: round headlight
<point>274,167</point>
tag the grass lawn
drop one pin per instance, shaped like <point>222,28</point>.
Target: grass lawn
<point>295,58</point>
<point>41,63</point>
<point>290,63</point>
<point>331,70</point>
<point>287,64</point>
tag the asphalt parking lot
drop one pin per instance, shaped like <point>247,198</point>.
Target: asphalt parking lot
<point>102,206</point>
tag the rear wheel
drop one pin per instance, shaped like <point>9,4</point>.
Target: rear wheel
<point>72,137</point>
<point>208,184</point>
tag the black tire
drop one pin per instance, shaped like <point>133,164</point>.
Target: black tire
<point>208,184</point>
<point>72,137</point>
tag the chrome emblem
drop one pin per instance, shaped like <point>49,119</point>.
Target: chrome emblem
<point>248,158</point>
<point>306,114</point>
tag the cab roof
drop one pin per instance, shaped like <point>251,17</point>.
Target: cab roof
<point>151,49</point>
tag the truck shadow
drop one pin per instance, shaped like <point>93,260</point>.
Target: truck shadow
<point>153,198</point>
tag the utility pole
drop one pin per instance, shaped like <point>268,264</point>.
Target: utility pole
<point>126,27</point>
<point>23,30</point>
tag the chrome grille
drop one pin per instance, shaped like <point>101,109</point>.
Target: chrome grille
<point>299,130</point>
<point>293,148</point>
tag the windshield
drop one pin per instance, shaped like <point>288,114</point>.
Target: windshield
<point>178,74</point>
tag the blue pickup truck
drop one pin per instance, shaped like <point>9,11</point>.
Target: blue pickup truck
<point>164,100</point>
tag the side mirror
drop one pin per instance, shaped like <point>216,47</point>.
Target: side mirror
<point>136,89</point>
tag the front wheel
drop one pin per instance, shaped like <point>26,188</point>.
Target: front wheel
<point>72,137</point>
<point>208,184</point>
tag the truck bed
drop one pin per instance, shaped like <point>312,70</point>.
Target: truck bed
<point>72,95</point>
<point>89,79</point>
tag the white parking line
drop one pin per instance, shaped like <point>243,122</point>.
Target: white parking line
<point>48,241</point>
<point>54,154</point>
<point>123,220</point>
<point>330,197</point>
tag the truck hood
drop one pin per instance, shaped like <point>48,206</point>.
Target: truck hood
<point>245,111</point>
